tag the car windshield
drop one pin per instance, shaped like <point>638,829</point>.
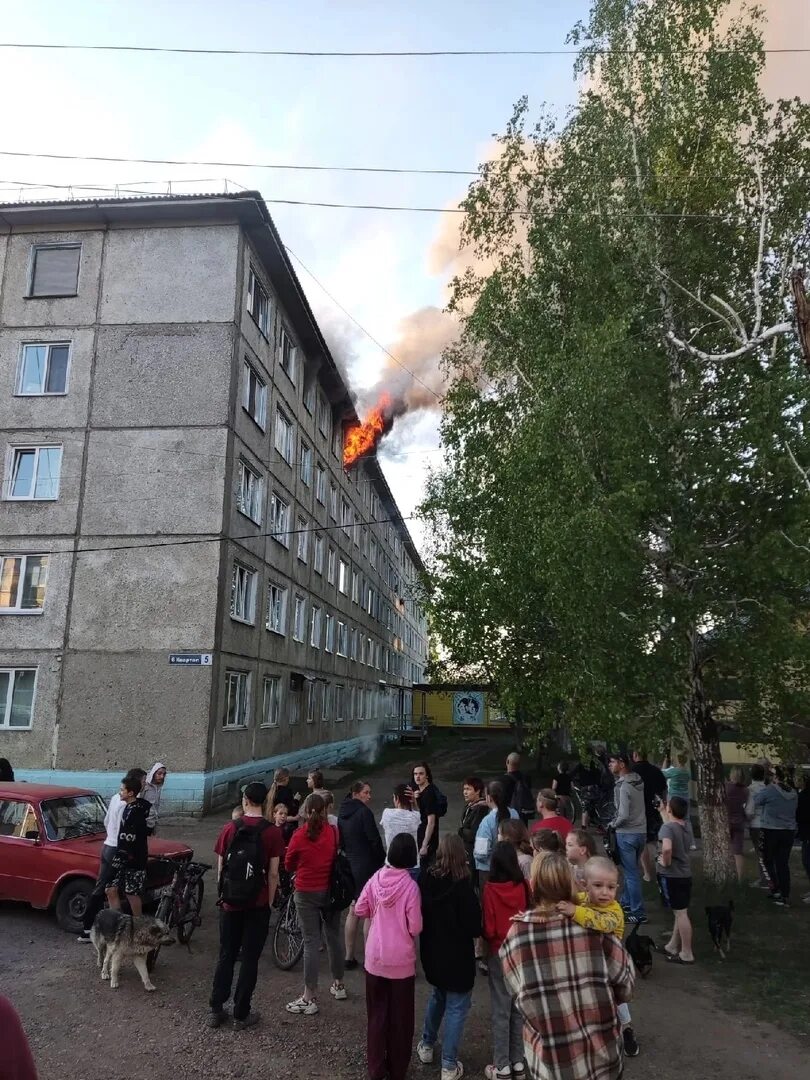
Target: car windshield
<point>74,815</point>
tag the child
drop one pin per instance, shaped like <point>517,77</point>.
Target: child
<point>390,899</point>
<point>546,840</point>
<point>329,802</point>
<point>598,909</point>
<point>280,819</point>
<point>131,854</point>
<point>675,878</point>
<point>515,832</point>
<point>402,817</point>
<point>505,894</point>
<point>579,847</point>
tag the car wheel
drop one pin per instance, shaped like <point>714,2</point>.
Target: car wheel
<point>71,904</point>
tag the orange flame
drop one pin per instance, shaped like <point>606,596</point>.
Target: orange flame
<point>363,438</point>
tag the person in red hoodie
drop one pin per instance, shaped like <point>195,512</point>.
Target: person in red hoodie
<point>505,894</point>
<point>390,898</point>
<point>16,1062</point>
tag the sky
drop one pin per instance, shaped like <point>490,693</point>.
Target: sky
<point>424,112</point>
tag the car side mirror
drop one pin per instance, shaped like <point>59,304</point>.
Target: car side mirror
<point>32,834</point>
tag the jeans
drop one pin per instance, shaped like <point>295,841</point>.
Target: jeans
<point>778,846</point>
<point>630,847</point>
<point>758,842</point>
<point>95,901</point>
<point>246,931</point>
<point>507,1023</point>
<point>312,913</point>
<point>453,1007</point>
<point>389,1037</point>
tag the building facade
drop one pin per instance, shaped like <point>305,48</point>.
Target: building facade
<point>187,573</point>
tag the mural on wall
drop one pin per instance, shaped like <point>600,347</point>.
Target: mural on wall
<point>468,708</point>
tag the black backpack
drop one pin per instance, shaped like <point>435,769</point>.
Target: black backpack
<point>244,872</point>
<point>522,799</point>
<point>441,802</point>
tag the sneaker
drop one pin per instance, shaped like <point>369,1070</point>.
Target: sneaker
<point>775,897</point>
<point>424,1052</point>
<point>637,920</point>
<point>351,965</point>
<point>631,1047</point>
<point>454,1073</point>
<point>759,885</point>
<point>518,1069</point>
<point>216,1018</point>
<point>249,1021</point>
<point>483,967</point>
<point>492,1072</point>
<point>806,898</point>
<point>302,1005</point>
<point>338,991</point>
<point>780,901</point>
<point>84,937</point>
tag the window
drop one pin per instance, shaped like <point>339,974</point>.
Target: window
<point>337,440</point>
<point>363,540</point>
<point>369,652</point>
<point>55,270</point>
<point>302,546</point>
<point>326,701</point>
<point>237,699</point>
<point>22,583</point>
<point>342,639</point>
<point>249,498</point>
<point>279,519</point>
<point>309,396</point>
<point>317,560</point>
<point>284,436</point>
<point>299,619</point>
<point>306,464</point>
<point>315,627</point>
<point>320,484</point>
<point>17,697</point>
<point>323,416</point>
<point>312,700</point>
<point>333,502</point>
<point>330,566</point>
<point>372,551</point>
<point>346,518</point>
<point>34,472</point>
<point>255,400</point>
<point>288,354</point>
<point>258,303</point>
<point>355,587</point>
<point>276,608</point>
<point>271,705</point>
<point>243,593</point>
<point>343,577</point>
<point>353,653</point>
<point>330,633</point>
<point>339,696</point>
<point>44,369</point>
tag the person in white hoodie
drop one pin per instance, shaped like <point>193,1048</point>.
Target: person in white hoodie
<point>152,790</point>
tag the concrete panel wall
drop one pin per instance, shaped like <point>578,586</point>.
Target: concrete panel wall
<point>64,410</point>
<point>172,275</point>
<point>41,517</point>
<point>32,749</point>
<point>19,310</point>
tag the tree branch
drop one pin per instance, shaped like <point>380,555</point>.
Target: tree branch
<point>763,218</point>
<point>750,346</point>
<point>804,473</point>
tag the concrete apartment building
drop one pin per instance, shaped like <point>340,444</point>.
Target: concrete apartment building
<point>171,424</point>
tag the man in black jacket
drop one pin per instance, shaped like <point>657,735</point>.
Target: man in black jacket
<point>131,854</point>
<point>655,788</point>
<point>360,840</point>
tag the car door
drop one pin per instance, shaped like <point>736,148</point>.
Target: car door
<point>20,851</point>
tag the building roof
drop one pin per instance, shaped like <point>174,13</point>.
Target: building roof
<point>249,210</point>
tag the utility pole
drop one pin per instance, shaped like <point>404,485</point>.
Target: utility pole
<point>802,312</point>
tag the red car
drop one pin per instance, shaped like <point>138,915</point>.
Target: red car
<point>50,849</point>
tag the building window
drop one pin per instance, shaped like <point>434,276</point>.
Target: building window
<point>34,472</point>
<point>346,518</point>
<point>339,697</point>
<point>343,577</point>
<point>323,416</point>
<point>320,484</point>
<point>372,552</point>
<point>255,400</point>
<point>369,652</point>
<point>342,639</point>
<point>258,303</point>
<point>309,396</point>
<point>279,520</point>
<point>243,593</point>
<point>271,704</point>
<point>237,699</point>
<point>317,560</point>
<point>329,644</point>
<point>251,488</point>
<point>299,619</point>
<point>312,700</point>
<point>330,566</point>
<point>276,608</point>
<point>355,587</point>
<point>44,369</point>
<point>22,583</point>
<point>284,436</point>
<point>333,500</point>
<point>302,546</point>
<point>315,627</point>
<point>17,697</point>
<point>326,701</point>
<point>306,464</point>
<point>288,354</point>
<point>55,270</point>
<point>353,653</point>
<point>337,440</point>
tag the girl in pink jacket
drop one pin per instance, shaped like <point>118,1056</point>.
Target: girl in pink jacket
<point>390,899</point>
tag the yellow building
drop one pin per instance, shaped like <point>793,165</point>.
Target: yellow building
<point>457,705</point>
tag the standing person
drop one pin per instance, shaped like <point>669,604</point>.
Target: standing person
<point>6,771</point>
<point>310,856</point>
<point>360,839</point>
<point>547,808</point>
<point>17,1062</point>
<point>505,894</point>
<point>803,823</point>
<point>428,803</point>
<point>736,802</point>
<point>655,792</point>
<point>281,792</point>
<point>675,879</point>
<point>579,847</point>
<point>547,840</point>
<point>280,819</point>
<point>402,817</point>
<point>390,899</point>
<point>487,835</point>
<point>518,789</point>
<point>475,810</point>
<point>248,851</point>
<point>561,786</point>
<point>315,782</point>
<point>152,790</point>
<point>567,982</point>
<point>678,779</point>
<point>451,921</point>
<point>630,824</point>
<point>778,801</point>
<point>131,853</point>
<point>106,870</point>
<point>754,815</point>
<point>514,832</point>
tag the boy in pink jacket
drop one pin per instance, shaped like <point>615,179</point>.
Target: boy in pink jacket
<point>391,900</point>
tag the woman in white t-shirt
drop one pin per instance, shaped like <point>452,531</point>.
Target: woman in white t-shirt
<point>403,817</point>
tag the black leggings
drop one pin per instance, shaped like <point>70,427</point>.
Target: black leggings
<point>778,845</point>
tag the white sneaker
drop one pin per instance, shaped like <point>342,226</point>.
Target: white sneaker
<point>424,1053</point>
<point>301,1005</point>
<point>453,1074</point>
<point>338,991</point>
<point>518,1069</point>
<point>492,1072</point>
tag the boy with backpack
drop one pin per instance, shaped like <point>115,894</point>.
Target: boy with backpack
<point>248,851</point>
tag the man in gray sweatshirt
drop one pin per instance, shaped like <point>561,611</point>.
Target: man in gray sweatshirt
<point>630,824</point>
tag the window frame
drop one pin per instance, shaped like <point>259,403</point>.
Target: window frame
<point>302,540</point>
<point>36,448</point>
<point>320,483</point>
<point>286,344</point>
<point>23,560</point>
<point>49,346</point>
<point>242,698</point>
<point>310,395</point>
<point>273,722</point>
<point>299,604</point>
<point>318,549</point>
<point>343,577</point>
<point>254,285</point>
<point>250,595</point>
<point>342,640</point>
<point>329,633</point>
<point>315,623</point>
<point>284,592</point>
<point>331,565</point>
<point>280,535</point>
<point>5,715</point>
<point>333,501</point>
<point>32,270</point>
<point>307,459</point>
<point>339,700</point>
<point>245,468</point>
<point>283,422</point>
<point>251,371</point>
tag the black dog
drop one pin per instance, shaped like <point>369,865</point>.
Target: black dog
<point>641,947</point>
<point>720,919</point>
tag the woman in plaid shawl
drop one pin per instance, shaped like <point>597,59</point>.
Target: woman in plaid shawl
<point>566,981</point>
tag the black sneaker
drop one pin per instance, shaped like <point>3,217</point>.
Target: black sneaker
<point>631,1047</point>
<point>637,920</point>
<point>351,965</point>
<point>216,1018</point>
<point>249,1021</point>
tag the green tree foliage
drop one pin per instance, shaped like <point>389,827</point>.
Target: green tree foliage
<point>620,528</point>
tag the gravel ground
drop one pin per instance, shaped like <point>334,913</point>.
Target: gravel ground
<point>81,1030</point>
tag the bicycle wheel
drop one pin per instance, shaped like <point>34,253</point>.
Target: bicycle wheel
<point>288,938</point>
<point>188,910</point>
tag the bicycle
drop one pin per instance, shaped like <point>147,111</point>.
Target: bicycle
<point>180,904</point>
<point>288,937</point>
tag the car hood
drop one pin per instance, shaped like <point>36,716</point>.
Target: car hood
<point>89,847</point>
